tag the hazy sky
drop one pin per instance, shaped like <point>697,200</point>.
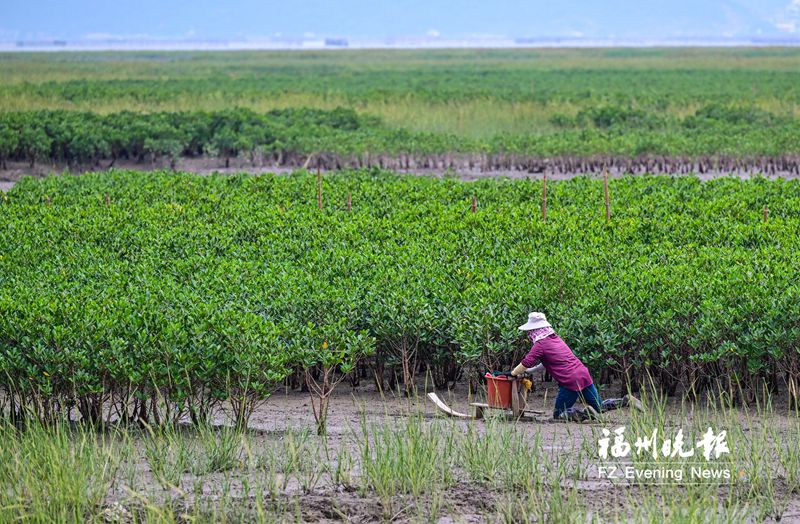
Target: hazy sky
<point>638,19</point>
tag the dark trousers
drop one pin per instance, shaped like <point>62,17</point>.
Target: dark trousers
<point>566,399</point>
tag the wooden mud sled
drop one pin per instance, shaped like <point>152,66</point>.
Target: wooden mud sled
<point>511,398</point>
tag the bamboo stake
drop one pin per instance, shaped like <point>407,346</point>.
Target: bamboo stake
<point>349,207</point>
<point>544,198</point>
<point>108,201</point>
<point>319,188</point>
<point>474,204</point>
<point>766,214</point>
<point>605,189</point>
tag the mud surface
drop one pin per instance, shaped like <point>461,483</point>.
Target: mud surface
<point>466,501</point>
<point>207,165</point>
<point>311,499</point>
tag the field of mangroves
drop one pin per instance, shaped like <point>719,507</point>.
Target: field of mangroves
<point>556,110</point>
<point>155,296</point>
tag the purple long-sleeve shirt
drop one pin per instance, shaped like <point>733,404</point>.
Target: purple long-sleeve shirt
<point>559,360</point>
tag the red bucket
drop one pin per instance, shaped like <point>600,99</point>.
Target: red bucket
<point>498,390</point>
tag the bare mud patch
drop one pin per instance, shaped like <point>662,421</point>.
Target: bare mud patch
<point>210,165</point>
<point>288,471</point>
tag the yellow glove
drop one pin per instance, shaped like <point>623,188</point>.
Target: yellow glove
<point>527,384</point>
<point>519,370</point>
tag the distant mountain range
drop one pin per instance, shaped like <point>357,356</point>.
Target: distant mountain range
<point>389,43</point>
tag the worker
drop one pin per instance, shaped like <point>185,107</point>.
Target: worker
<point>553,354</point>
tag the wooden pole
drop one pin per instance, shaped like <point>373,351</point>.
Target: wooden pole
<point>605,189</point>
<point>474,204</point>
<point>349,207</point>
<point>319,188</point>
<point>766,214</point>
<point>544,198</point>
<point>108,201</point>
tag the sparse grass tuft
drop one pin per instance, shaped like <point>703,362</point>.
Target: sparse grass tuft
<point>58,473</point>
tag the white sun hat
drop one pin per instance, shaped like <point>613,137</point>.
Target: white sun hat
<point>536,320</point>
